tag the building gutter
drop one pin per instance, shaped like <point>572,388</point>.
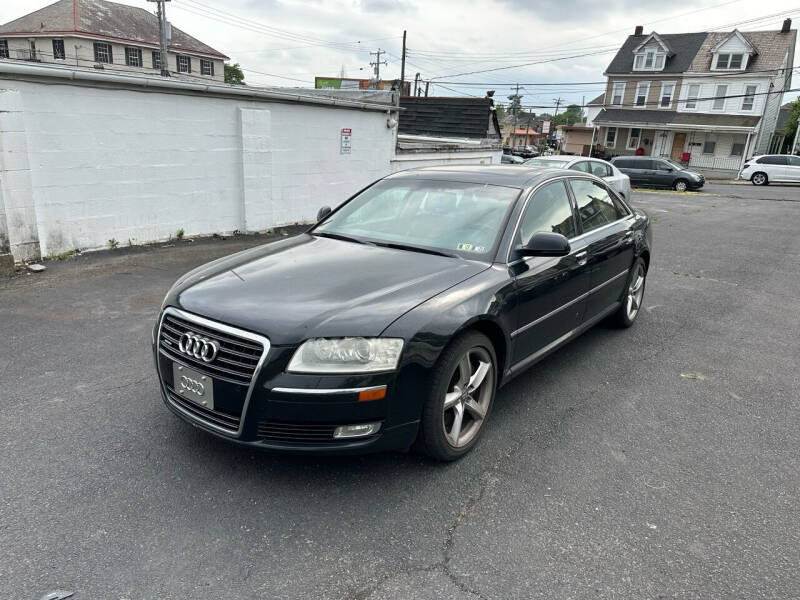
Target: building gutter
<point>670,126</point>
<point>12,70</point>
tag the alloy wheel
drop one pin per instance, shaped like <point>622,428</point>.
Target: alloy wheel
<point>468,397</point>
<point>635,292</point>
<point>680,186</point>
<point>759,178</point>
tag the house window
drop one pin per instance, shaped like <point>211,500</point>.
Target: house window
<point>102,53</point>
<point>133,57</point>
<point>719,97</point>
<point>650,60</point>
<point>206,67</point>
<point>58,50</point>
<point>3,48</point>
<point>618,93</point>
<point>611,137</point>
<point>710,143</point>
<point>633,138</point>
<point>642,89</point>
<point>691,95</point>
<point>667,91</point>
<point>729,61</point>
<point>184,64</point>
<point>157,60</point>
<point>737,149</point>
<point>749,97</point>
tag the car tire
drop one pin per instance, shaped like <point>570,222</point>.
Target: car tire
<point>632,297</point>
<point>452,397</point>
<point>681,185</point>
<point>759,178</point>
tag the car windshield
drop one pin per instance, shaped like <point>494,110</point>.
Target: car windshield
<point>548,162</point>
<point>452,217</point>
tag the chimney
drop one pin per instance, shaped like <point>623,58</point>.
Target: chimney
<point>787,25</point>
<point>639,30</point>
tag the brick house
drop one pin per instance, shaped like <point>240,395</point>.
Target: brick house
<point>109,36</point>
<point>709,99</point>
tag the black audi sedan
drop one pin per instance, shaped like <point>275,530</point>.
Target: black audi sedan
<point>392,322</point>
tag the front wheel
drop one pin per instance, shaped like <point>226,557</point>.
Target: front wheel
<point>633,296</point>
<point>759,179</point>
<point>460,398</point>
<point>681,185</point>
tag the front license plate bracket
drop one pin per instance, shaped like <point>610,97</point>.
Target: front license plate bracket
<point>193,386</point>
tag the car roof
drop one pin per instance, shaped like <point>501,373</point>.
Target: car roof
<point>519,176</point>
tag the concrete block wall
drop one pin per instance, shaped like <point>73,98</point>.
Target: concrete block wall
<point>80,164</point>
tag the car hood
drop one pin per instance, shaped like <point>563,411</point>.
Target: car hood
<point>309,286</point>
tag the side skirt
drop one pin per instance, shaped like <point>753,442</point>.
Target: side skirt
<point>531,360</point>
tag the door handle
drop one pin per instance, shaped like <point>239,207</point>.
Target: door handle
<point>582,257</point>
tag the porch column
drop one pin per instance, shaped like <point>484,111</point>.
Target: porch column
<point>744,154</point>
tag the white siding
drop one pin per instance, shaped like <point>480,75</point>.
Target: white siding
<point>736,87</point>
<point>81,164</point>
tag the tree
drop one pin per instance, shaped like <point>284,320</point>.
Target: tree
<point>571,116</point>
<point>234,74</point>
<point>790,129</point>
<point>515,105</point>
<point>500,109</point>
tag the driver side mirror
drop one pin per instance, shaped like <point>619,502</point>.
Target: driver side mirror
<point>323,212</point>
<point>545,243</point>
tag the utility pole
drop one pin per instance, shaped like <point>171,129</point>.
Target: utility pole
<point>416,84</point>
<point>403,67</point>
<point>378,62</point>
<point>516,116</point>
<point>427,83</point>
<point>162,23</point>
<point>558,102</point>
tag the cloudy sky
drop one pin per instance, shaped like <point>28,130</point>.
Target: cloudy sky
<point>463,46</point>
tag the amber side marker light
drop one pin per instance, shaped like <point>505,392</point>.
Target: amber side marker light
<point>373,394</point>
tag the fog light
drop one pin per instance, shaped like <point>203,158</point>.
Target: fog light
<point>356,431</point>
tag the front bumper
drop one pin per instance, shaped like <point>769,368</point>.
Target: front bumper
<point>289,412</point>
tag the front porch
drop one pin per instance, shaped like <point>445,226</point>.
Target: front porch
<point>715,145</point>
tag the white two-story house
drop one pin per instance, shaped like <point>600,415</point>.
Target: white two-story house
<point>706,99</point>
<point>109,36</point>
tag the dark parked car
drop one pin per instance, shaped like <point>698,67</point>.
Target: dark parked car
<point>525,151</point>
<point>658,172</point>
<point>394,319</point>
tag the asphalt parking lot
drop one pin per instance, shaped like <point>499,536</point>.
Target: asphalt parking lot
<point>657,462</point>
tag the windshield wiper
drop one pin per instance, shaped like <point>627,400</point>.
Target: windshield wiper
<point>397,246</point>
<point>338,236</point>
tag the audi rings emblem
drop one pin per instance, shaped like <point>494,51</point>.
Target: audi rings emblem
<point>192,385</point>
<point>198,347</point>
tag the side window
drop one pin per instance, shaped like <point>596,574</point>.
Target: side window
<point>794,161</point>
<point>646,164</point>
<point>596,206</point>
<point>660,165</point>
<point>623,163</point>
<point>582,166</point>
<point>601,169</point>
<point>773,160</point>
<point>549,210</point>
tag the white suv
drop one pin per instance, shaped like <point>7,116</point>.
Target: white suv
<point>762,170</point>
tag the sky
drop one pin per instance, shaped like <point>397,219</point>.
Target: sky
<point>463,47</point>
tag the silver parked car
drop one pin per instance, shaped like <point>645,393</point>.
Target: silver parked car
<point>615,178</point>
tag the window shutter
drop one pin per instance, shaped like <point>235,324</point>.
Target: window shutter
<point>110,55</point>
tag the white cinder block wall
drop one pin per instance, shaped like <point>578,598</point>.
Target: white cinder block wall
<point>81,164</point>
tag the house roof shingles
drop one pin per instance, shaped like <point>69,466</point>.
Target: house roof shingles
<point>448,117</point>
<point>105,19</point>
<point>671,117</point>
<point>683,45</point>
<point>772,47</point>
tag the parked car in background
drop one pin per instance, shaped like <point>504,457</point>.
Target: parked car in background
<point>510,159</point>
<point>524,151</point>
<point>601,168</point>
<point>658,172</point>
<point>395,318</point>
<point>776,168</point>
<point>507,149</point>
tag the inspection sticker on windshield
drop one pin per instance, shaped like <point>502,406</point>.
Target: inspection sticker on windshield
<point>481,249</point>
<point>465,247</point>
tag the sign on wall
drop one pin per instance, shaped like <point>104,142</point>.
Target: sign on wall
<point>545,126</point>
<point>345,145</point>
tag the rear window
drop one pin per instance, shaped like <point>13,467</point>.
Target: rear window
<point>773,160</point>
<point>627,163</point>
<point>547,162</point>
<point>601,169</point>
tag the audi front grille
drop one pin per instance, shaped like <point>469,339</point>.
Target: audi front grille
<point>235,361</point>
<point>297,433</point>
<point>229,356</point>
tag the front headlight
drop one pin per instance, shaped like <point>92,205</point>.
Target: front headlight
<point>346,355</point>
